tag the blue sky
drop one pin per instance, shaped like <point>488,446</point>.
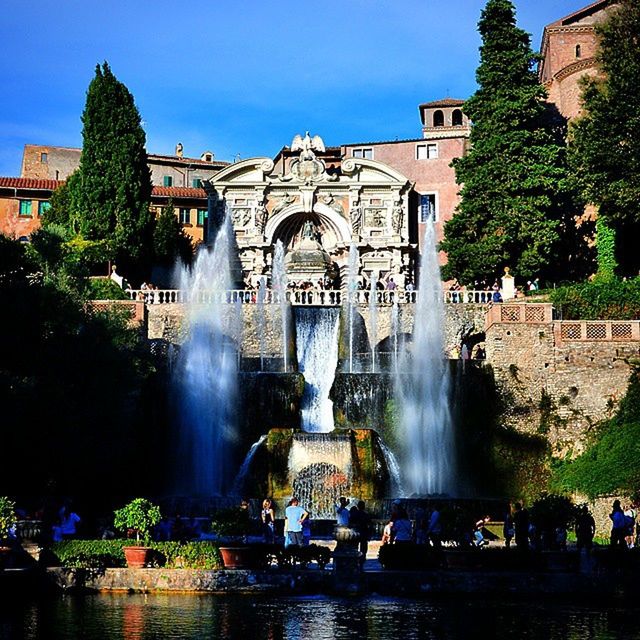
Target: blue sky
<point>241,77</point>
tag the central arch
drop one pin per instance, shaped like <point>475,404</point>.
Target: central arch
<point>287,224</point>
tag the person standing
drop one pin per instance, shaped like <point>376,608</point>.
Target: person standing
<point>585,529</point>
<point>294,517</point>
<point>434,530</point>
<point>508,530</point>
<point>618,526</point>
<point>521,527</point>
<point>268,520</point>
<point>342,512</point>
<point>360,520</point>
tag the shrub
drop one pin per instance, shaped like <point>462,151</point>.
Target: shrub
<point>232,522</point>
<point>602,299</point>
<point>140,516</point>
<point>102,554</point>
<point>7,517</point>
<point>104,289</point>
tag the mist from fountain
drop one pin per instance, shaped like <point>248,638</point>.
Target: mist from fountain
<point>205,373</point>
<point>279,286</point>
<point>262,320</point>
<point>317,350</point>
<point>422,388</point>
<point>395,330</point>
<point>373,320</point>
<point>352,292</point>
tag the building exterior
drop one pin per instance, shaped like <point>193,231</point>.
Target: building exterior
<point>568,52</point>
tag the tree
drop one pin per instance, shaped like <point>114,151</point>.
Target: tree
<point>169,239</point>
<point>514,190</point>
<point>604,142</point>
<point>111,191</point>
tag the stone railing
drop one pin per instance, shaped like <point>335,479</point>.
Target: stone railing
<point>522,313</point>
<point>300,297</point>
<point>597,330</point>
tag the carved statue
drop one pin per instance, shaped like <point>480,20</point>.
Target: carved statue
<point>356,217</point>
<point>287,199</point>
<point>262,216</point>
<point>307,230</point>
<point>396,218</point>
<point>306,145</point>
<point>179,150</point>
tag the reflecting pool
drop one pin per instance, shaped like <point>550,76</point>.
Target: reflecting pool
<point>139,617</point>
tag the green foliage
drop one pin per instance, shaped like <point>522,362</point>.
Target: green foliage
<point>603,150</point>
<point>7,516</point>
<point>231,522</point>
<point>601,299</point>
<point>169,239</point>
<point>140,515</point>
<point>104,289</point>
<point>109,199</point>
<point>515,197</point>
<point>610,463</point>
<point>74,376</point>
<point>606,246</point>
<point>108,553</point>
<point>59,213</point>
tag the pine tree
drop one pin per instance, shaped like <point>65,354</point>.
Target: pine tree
<point>111,192</point>
<point>514,177</point>
<point>605,141</point>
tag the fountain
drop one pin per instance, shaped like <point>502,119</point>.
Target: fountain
<point>279,285</point>
<point>205,373</point>
<point>422,388</point>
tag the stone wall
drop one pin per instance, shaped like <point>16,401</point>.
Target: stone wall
<point>557,389</point>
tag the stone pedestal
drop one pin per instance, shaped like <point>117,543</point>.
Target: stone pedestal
<point>347,568</point>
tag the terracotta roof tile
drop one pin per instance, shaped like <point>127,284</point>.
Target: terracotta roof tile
<point>30,183</point>
<point>176,160</point>
<point>179,192</point>
<point>576,15</point>
<point>445,102</point>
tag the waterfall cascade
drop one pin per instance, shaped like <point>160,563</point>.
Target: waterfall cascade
<point>279,285</point>
<point>317,350</point>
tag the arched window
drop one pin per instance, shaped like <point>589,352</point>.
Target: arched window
<point>438,118</point>
<point>456,118</point>
<point>578,51</point>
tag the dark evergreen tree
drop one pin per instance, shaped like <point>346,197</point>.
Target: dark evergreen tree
<point>514,178</point>
<point>605,141</point>
<point>169,239</point>
<point>111,193</point>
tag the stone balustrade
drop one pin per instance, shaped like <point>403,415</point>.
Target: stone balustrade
<point>519,313</point>
<point>300,297</point>
<point>596,330</point>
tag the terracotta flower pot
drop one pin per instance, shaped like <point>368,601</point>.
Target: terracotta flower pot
<point>239,557</point>
<point>137,557</point>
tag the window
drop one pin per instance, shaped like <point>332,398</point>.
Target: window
<point>167,181</point>
<point>185,216</point>
<point>456,118</point>
<point>438,118</point>
<point>578,51</point>
<point>427,151</point>
<point>363,153</point>
<point>44,158</point>
<point>43,207</point>
<point>203,214</point>
<point>25,208</point>
<point>208,157</point>
<point>196,183</point>
<point>428,207</point>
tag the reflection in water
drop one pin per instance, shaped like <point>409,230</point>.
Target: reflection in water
<point>138,617</point>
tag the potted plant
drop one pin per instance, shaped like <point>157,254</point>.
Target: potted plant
<point>139,516</point>
<point>232,527</point>
<point>7,523</point>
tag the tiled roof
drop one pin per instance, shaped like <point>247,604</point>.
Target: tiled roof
<point>445,102</point>
<point>30,183</point>
<point>179,192</point>
<point>177,160</point>
<point>576,15</point>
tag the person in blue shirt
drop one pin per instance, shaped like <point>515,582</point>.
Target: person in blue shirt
<point>294,517</point>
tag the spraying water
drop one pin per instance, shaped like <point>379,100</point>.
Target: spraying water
<point>428,455</point>
<point>239,482</point>
<point>373,320</point>
<point>352,292</point>
<point>262,320</point>
<point>206,372</point>
<point>279,285</point>
<point>317,349</point>
<point>395,330</point>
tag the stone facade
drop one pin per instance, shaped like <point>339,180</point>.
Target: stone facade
<point>568,52</point>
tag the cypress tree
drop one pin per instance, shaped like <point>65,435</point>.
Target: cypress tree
<point>111,192</point>
<point>514,177</point>
<point>605,141</point>
<point>169,239</point>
